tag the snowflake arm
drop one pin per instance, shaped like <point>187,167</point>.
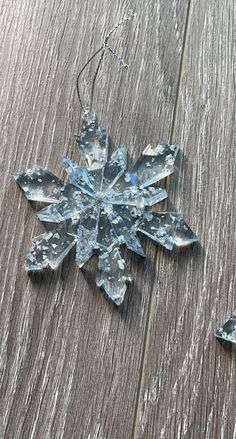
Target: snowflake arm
<point>124,219</point>
<point>116,167</point>
<point>39,184</point>
<point>94,143</point>
<point>227,333</point>
<point>111,275</point>
<point>168,229</point>
<point>155,163</point>
<point>135,196</point>
<point>81,178</point>
<point>70,206</point>
<point>49,250</point>
<point>87,235</point>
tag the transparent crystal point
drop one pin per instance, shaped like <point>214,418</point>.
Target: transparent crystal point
<point>106,234</point>
<point>94,143</point>
<point>39,184</point>
<point>227,333</point>
<point>135,196</point>
<point>155,163</point>
<point>168,229</point>
<point>87,235</point>
<point>120,157</point>
<point>87,182</point>
<point>125,180</point>
<point>115,167</point>
<point>71,204</point>
<point>112,275</point>
<point>124,220</point>
<point>49,250</point>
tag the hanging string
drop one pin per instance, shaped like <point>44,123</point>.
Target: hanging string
<point>105,46</point>
<point>94,80</point>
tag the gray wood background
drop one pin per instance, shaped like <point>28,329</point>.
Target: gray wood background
<point>71,364</point>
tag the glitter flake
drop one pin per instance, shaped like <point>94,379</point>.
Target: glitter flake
<point>104,204</point>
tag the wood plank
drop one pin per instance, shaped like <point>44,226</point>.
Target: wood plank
<point>70,361</point>
<point>189,381</point>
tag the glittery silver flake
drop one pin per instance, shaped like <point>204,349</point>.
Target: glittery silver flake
<point>103,204</point>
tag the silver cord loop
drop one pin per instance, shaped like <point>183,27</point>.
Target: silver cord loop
<point>105,46</point>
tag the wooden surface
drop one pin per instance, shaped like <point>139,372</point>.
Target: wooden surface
<point>71,364</point>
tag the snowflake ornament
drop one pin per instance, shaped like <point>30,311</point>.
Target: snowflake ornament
<point>104,204</point>
<point>227,333</point>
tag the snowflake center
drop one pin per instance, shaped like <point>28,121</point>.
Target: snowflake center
<point>101,196</point>
<point>103,203</point>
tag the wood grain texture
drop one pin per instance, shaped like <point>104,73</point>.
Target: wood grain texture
<point>72,365</point>
<point>188,381</point>
<point>70,361</point>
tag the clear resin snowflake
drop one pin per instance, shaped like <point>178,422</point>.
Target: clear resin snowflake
<point>104,204</point>
<point>227,333</point>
